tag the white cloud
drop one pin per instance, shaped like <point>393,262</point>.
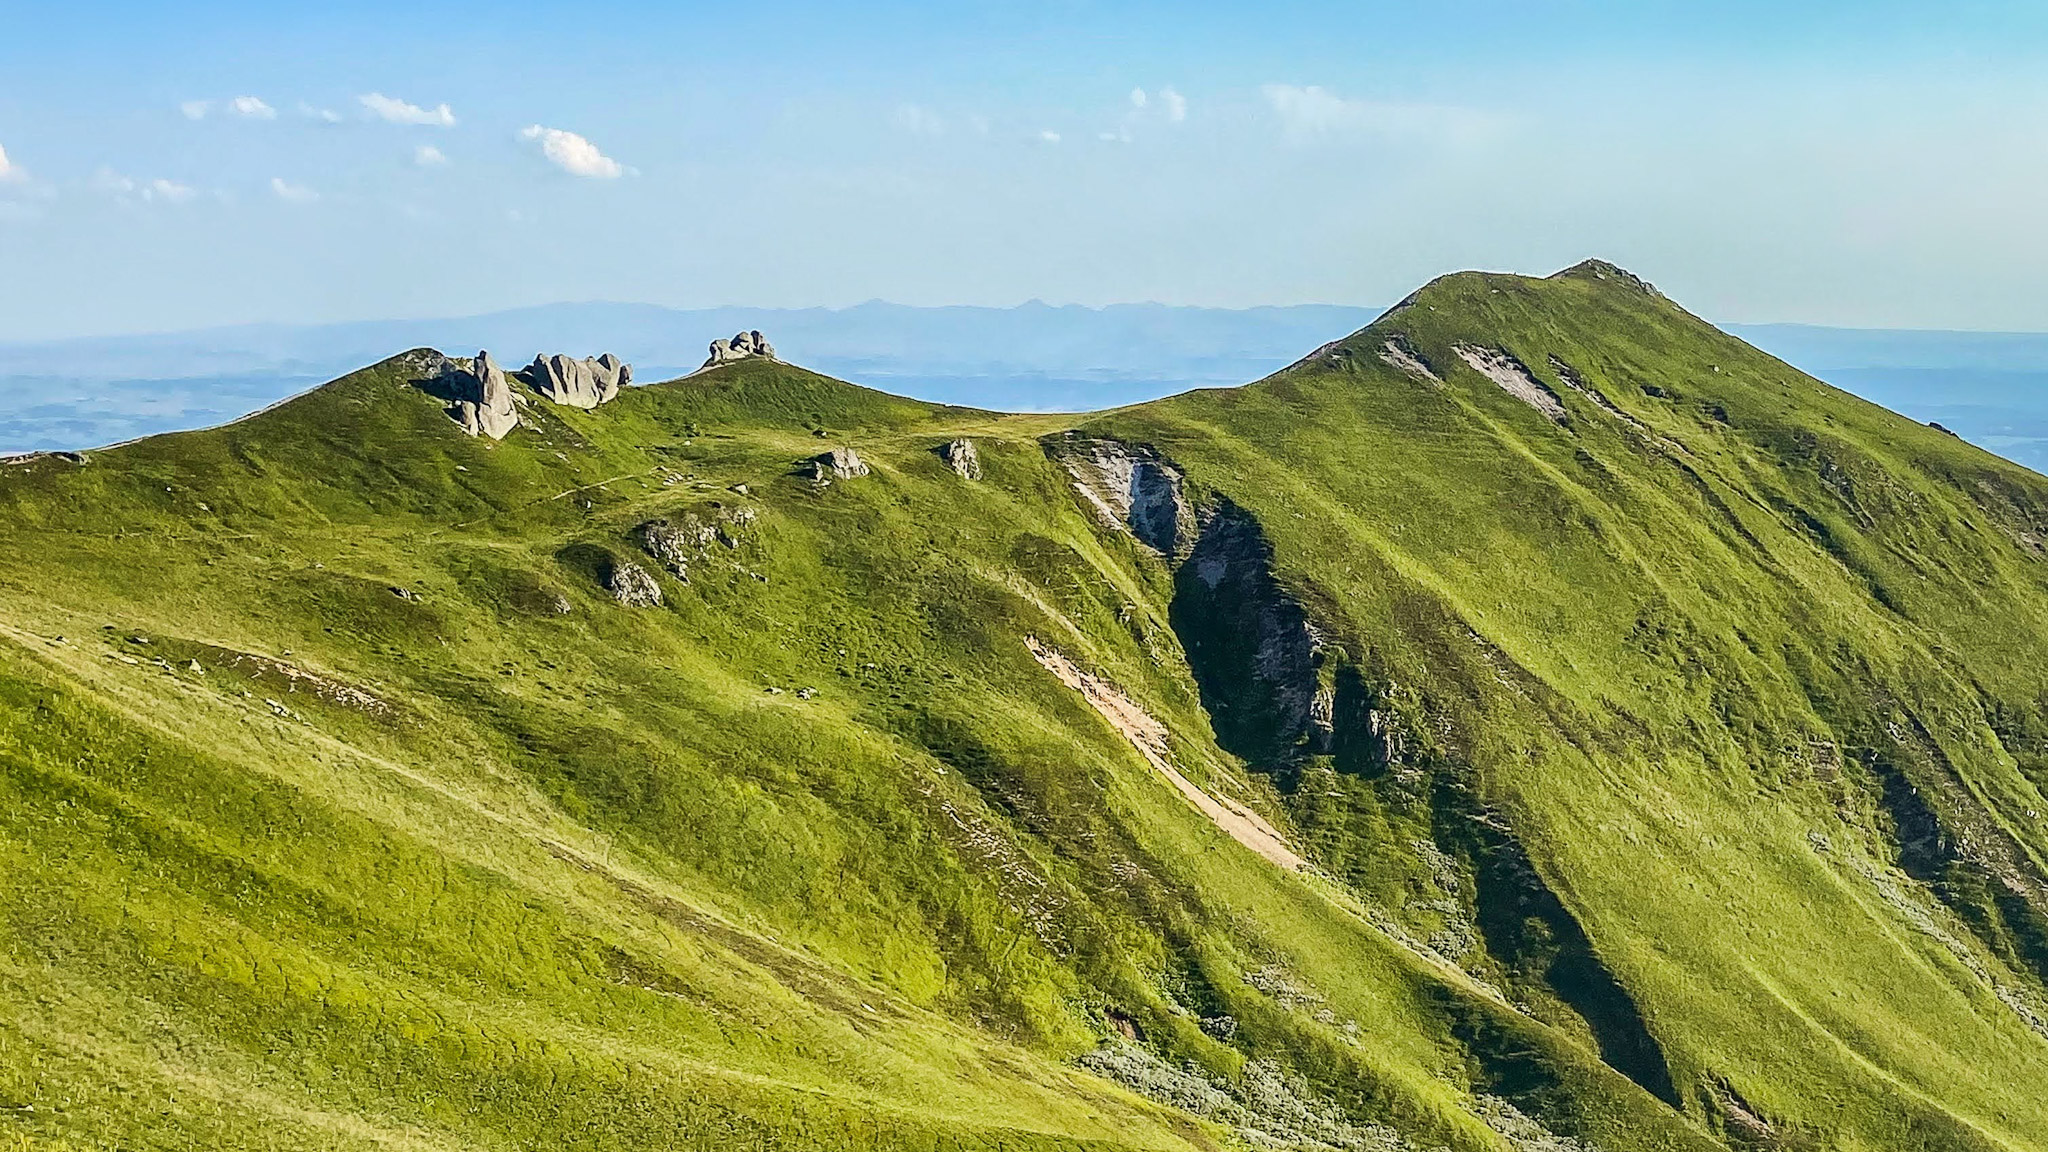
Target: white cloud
<point>127,188</point>
<point>10,172</point>
<point>573,154</point>
<point>108,180</point>
<point>1138,99</point>
<point>1176,105</point>
<point>250,108</point>
<point>168,191</point>
<point>398,111</point>
<point>428,156</point>
<point>323,115</point>
<point>1049,136</point>
<point>1313,111</point>
<point>920,121</point>
<point>292,193</point>
<point>196,109</point>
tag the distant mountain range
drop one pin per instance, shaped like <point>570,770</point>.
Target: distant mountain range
<point>1990,387</point>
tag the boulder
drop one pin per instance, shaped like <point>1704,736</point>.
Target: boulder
<point>486,408</point>
<point>578,383</point>
<point>630,585</point>
<point>961,457</point>
<point>740,347</point>
<point>612,374</point>
<point>838,464</point>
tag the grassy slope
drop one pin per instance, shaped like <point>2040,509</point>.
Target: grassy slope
<point>1765,564</point>
<point>587,882</point>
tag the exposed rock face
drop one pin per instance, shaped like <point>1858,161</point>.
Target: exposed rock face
<point>740,347</point>
<point>838,464</point>
<point>678,544</point>
<point>961,457</point>
<point>612,373</point>
<point>1255,653</point>
<point>1396,353</point>
<point>1132,487</point>
<point>578,383</point>
<point>673,546</point>
<point>1513,377</point>
<point>631,585</point>
<point>486,408</point>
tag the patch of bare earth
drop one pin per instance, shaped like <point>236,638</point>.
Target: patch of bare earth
<point>1513,378</point>
<point>1148,736</point>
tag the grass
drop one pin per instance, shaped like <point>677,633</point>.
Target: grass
<point>351,811</point>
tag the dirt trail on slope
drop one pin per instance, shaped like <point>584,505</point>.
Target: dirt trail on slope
<point>1148,736</point>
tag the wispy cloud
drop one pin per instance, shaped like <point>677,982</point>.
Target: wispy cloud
<point>251,108</point>
<point>10,172</point>
<point>1138,98</point>
<point>1313,111</point>
<point>1175,105</point>
<point>919,120</point>
<point>196,109</point>
<point>397,111</point>
<point>168,191</point>
<point>127,189</point>
<point>428,156</point>
<point>574,154</point>
<point>292,193</point>
<point>323,115</point>
<point>1048,136</point>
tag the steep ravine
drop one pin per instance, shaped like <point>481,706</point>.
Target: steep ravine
<point>1283,695</point>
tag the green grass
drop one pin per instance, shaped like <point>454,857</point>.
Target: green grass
<point>570,874</point>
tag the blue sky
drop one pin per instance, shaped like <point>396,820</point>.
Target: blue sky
<point>171,166</point>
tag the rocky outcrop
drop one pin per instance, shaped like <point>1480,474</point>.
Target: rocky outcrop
<point>484,405</point>
<point>1513,377</point>
<point>1256,656</point>
<point>696,537</point>
<point>1397,353</point>
<point>578,383</point>
<point>742,346</point>
<point>1131,487</point>
<point>962,457</point>
<point>632,586</point>
<point>838,464</point>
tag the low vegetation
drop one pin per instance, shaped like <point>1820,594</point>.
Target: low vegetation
<point>1662,730</point>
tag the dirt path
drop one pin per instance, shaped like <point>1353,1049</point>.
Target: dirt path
<point>1148,736</point>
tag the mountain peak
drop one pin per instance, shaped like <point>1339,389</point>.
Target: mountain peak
<point>1596,269</point>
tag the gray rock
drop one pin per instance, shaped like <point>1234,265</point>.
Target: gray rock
<point>838,464</point>
<point>1132,487</point>
<point>961,456</point>
<point>578,383</point>
<point>612,374</point>
<point>740,347</point>
<point>675,545</point>
<point>631,585</point>
<point>487,408</point>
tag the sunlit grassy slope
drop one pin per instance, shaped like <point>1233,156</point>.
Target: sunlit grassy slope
<point>1683,791</point>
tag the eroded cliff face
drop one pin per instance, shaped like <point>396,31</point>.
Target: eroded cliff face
<point>1340,742</point>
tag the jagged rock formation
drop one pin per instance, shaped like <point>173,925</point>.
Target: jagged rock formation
<point>740,347</point>
<point>1131,487</point>
<point>578,383</point>
<point>962,457</point>
<point>838,464</point>
<point>1255,653</point>
<point>487,408</point>
<point>632,586</point>
<point>677,544</point>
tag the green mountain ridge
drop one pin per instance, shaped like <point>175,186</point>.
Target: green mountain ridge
<point>1660,731</point>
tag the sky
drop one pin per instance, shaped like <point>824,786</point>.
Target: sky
<point>170,166</point>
